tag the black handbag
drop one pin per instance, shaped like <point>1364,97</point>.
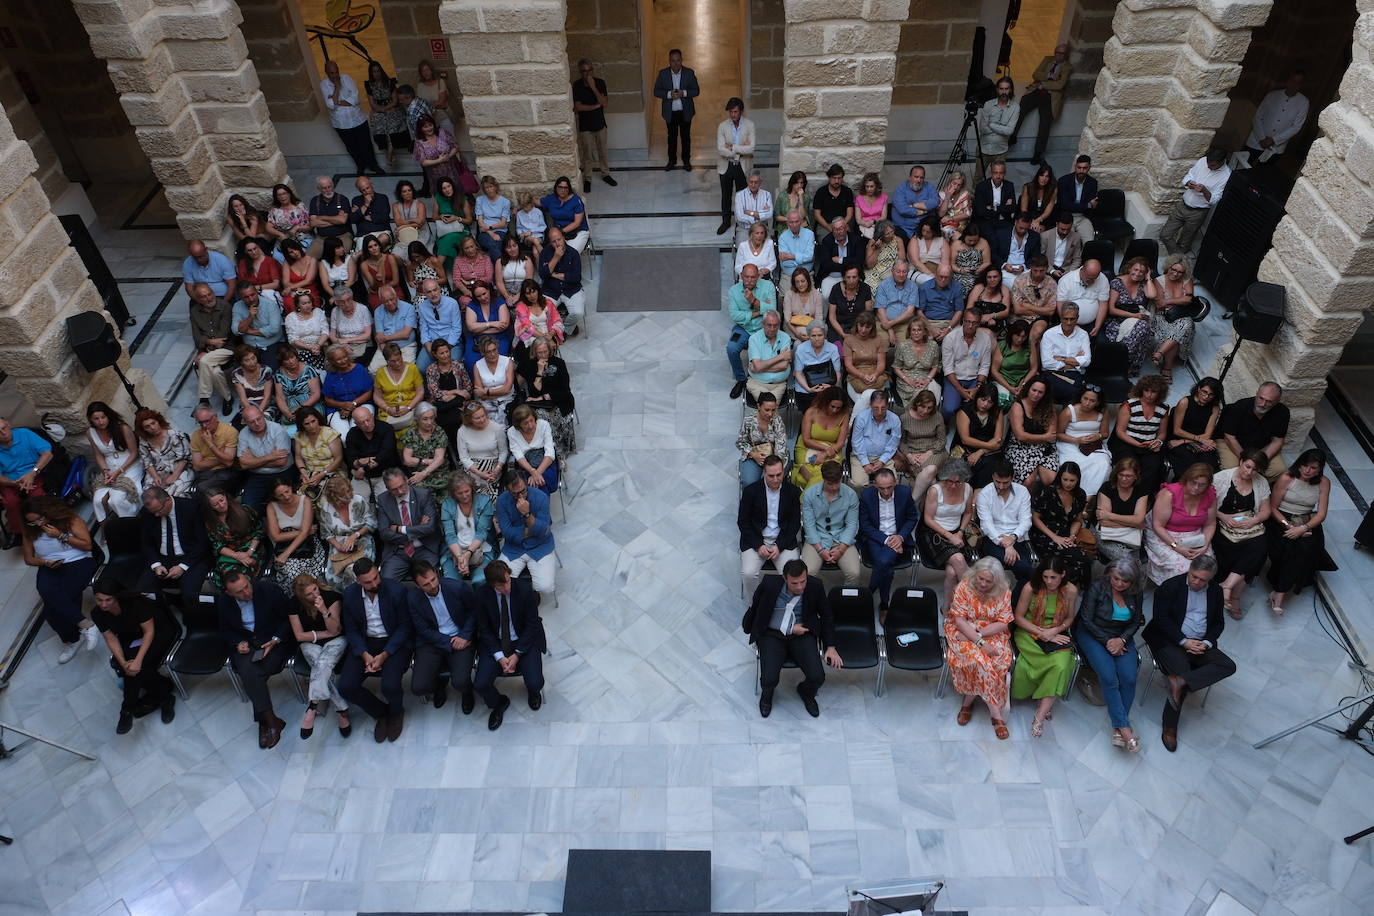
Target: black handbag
<point>1190,309</point>
<point>818,374</point>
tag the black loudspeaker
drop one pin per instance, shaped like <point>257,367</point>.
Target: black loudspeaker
<point>1260,312</point>
<point>93,340</point>
<point>1237,239</point>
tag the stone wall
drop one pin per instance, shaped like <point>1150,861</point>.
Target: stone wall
<point>275,49</point>
<point>767,37</point>
<point>514,73</point>
<point>1162,92</point>
<point>1090,26</point>
<point>187,86</point>
<point>933,53</point>
<point>840,65</point>
<point>607,32</point>
<point>16,108</point>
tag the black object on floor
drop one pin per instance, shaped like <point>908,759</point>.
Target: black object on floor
<point>637,881</point>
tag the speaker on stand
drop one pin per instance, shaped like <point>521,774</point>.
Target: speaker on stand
<point>96,346</point>
<point>1257,318</point>
<point>1240,233</point>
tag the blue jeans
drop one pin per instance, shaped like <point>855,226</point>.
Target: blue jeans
<point>423,359</point>
<point>1117,674</point>
<point>737,344</point>
<point>950,399</point>
<point>749,472</point>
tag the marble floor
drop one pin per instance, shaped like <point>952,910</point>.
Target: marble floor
<point>649,736</point>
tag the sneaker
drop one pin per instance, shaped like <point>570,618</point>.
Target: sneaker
<point>68,652</point>
<point>90,638</point>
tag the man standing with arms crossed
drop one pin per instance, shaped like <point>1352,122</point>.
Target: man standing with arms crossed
<point>589,101</point>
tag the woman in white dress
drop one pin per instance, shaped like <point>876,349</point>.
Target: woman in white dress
<point>118,481</point>
<point>493,379</point>
<point>514,268</point>
<point>758,249</point>
<point>1083,439</point>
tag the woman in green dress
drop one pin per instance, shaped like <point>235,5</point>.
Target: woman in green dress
<point>452,219</point>
<point>1045,655</point>
<point>1014,361</point>
<point>236,537</point>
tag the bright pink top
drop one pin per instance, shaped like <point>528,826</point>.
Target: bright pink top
<point>1179,519</point>
<point>879,207</point>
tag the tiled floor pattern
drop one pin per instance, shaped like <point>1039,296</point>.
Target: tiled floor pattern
<point>649,738</point>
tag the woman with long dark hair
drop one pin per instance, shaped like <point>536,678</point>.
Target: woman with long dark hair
<point>58,543</point>
<point>388,119</point>
<point>139,635</point>
<point>1045,612</point>
<point>236,536</point>
<point>114,448</point>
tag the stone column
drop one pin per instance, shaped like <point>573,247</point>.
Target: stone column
<point>840,60</point>
<point>1162,91</point>
<point>286,80</point>
<point>512,65</point>
<point>42,283</point>
<point>192,95</point>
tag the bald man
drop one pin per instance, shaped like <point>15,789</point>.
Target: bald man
<point>205,265</point>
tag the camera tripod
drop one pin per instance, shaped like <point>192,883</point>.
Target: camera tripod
<point>958,153</point>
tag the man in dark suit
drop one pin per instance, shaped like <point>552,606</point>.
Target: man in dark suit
<point>769,521</point>
<point>408,523</point>
<point>994,205</point>
<point>1182,634</point>
<point>175,546</point>
<point>1078,196</point>
<point>253,621</point>
<point>511,640</point>
<point>1022,245</point>
<point>444,612</point>
<point>676,86</point>
<point>788,615</point>
<point>887,520</point>
<point>377,625</point>
<point>838,251</point>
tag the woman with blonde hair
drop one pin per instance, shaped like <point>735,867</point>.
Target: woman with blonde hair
<point>347,526</point>
<point>956,205</point>
<point>466,516</point>
<point>1173,318</point>
<point>978,641</point>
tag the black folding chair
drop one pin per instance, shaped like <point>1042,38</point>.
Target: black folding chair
<point>914,612</point>
<point>1109,216</point>
<point>1144,248</point>
<point>856,629</point>
<point>1110,370</point>
<point>201,651</point>
<point>1104,252</point>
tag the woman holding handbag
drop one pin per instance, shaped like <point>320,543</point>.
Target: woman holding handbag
<point>1083,438</point>
<point>1182,524</point>
<point>1121,507</point>
<point>760,435</point>
<point>1242,495</point>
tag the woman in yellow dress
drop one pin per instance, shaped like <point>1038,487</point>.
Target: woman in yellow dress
<point>398,388</point>
<point>824,432</point>
<point>977,642</point>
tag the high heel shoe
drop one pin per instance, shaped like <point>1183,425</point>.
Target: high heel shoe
<point>345,727</point>
<point>308,726</point>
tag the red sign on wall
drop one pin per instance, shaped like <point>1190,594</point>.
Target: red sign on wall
<point>438,48</point>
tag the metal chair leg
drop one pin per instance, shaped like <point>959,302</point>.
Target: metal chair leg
<point>180,687</point>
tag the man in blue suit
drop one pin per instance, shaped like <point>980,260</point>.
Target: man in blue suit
<point>253,621</point>
<point>1078,195</point>
<point>444,612</point>
<point>676,86</point>
<point>377,625</point>
<point>510,641</point>
<point>887,520</point>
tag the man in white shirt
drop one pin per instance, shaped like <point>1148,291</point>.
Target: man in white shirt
<point>1203,186</point>
<point>1062,246</point>
<point>1087,288</point>
<point>752,205</point>
<point>1278,119</point>
<point>734,160</point>
<point>1065,351</point>
<point>769,523</point>
<point>348,118</point>
<point>1004,516</point>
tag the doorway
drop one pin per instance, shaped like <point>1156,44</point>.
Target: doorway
<point>1038,27</point>
<point>711,35</point>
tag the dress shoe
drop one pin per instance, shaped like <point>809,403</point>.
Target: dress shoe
<point>393,725</point>
<point>440,696</point>
<point>145,709</point>
<point>811,705</point>
<point>345,725</point>
<point>737,390</point>
<point>379,730</point>
<point>536,700</point>
<point>1169,738</point>
<point>497,714</point>
<point>308,730</point>
<point>169,711</point>
<point>723,228</point>
<point>586,185</point>
<point>265,733</point>
<point>609,180</point>
<point>126,722</point>
<point>670,166</point>
<point>469,702</point>
<point>686,166</point>
<point>766,704</point>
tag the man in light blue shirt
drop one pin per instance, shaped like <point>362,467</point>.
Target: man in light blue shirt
<point>256,317</point>
<point>440,319</point>
<point>770,357</point>
<point>204,265</point>
<point>393,322</point>
<point>830,524</point>
<point>913,201</point>
<point>877,433</point>
<point>748,300</point>
<point>942,302</point>
<point>796,246</point>
<point>896,300</point>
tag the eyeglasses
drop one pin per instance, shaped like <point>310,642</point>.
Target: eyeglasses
<point>1095,389</point>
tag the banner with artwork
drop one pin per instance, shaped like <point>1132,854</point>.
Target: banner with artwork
<point>349,32</point>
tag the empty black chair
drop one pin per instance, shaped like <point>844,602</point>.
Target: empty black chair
<point>1110,370</point>
<point>913,612</point>
<point>856,630</point>
<point>1104,252</point>
<point>201,651</point>
<point>1109,216</point>
<point>124,560</point>
<point>1144,248</point>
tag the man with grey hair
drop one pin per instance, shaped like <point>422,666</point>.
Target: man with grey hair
<point>770,357</point>
<point>589,101</point>
<point>369,450</point>
<point>1182,634</point>
<point>211,319</point>
<point>265,453</point>
<point>329,214</point>
<point>349,120</point>
<point>796,246</point>
<point>753,205</point>
<point>214,451</point>
<point>734,158</point>
<point>837,252</point>
<point>408,524</point>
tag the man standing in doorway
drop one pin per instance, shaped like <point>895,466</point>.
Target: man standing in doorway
<point>1045,95</point>
<point>589,101</point>
<point>347,117</point>
<point>735,160</point>
<point>1279,117</point>
<point>676,87</point>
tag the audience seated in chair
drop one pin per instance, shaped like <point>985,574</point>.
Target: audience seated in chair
<point>769,522</point>
<point>887,525</point>
<point>408,525</point>
<point>253,621</point>
<point>381,641</point>
<point>789,618</point>
<point>830,524</point>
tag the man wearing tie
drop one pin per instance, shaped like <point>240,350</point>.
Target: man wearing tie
<point>175,546</point>
<point>253,621</point>
<point>377,625</point>
<point>676,86</point>
<point>786,618</point>
<point>511,640</point>
<point>444,612</point>
<point>408,523</point>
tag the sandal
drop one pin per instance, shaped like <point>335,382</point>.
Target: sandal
<point>1118,739</point>
<point>1275,606</point>
<point>1133,744</point>
<point>999,728</point>
<point>1037,727</point>
<point>308,725</point>
<point>965,714</point>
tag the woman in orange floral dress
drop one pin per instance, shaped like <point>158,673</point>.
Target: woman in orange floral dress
<point>977,641</point>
